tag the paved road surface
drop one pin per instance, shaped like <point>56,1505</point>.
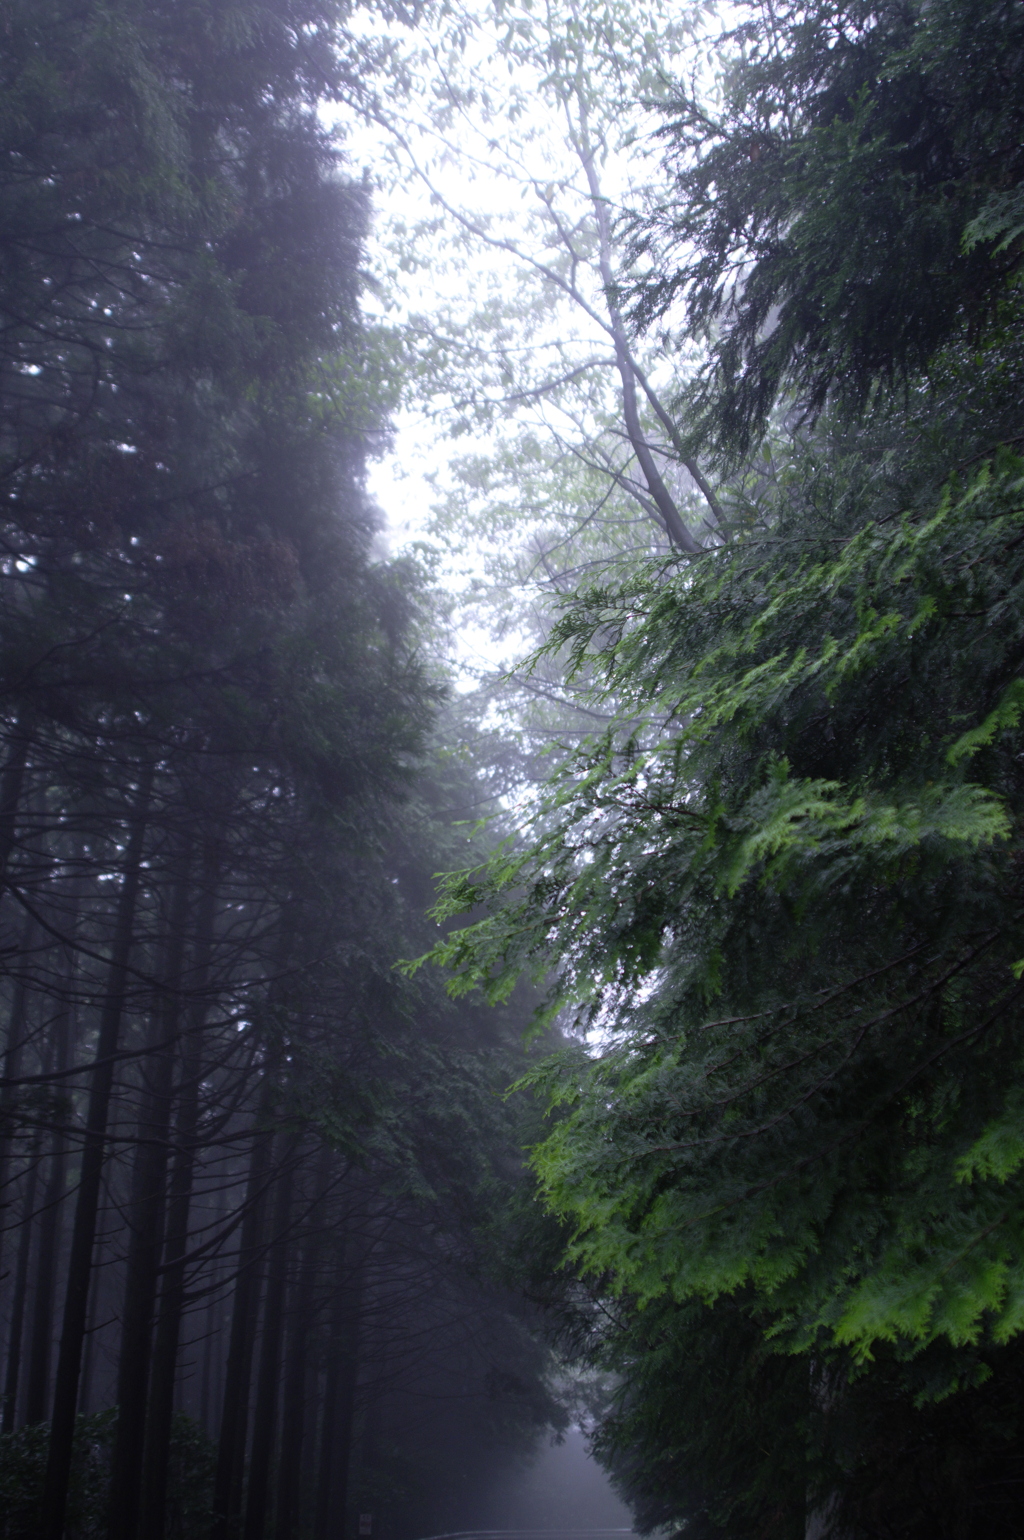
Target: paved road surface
<point>533,1534</point>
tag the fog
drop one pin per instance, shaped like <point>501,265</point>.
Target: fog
<point>563,1489</point>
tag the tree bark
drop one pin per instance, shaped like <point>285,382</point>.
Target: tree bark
<point>160,1413</point>
<point>227,1491</point>
<point>85,1406</point>
<point>83,1237</point>
<point>265,1410</point>
<point>12,779</point>
<point>12,1376</point>
<point>339,1403</point>
<point>293,1415</point>
<point>12,1068</point>
<point>665,503</point>
<point>230,1472</point>
<point>37,1389</point>
<point>146,1220</point>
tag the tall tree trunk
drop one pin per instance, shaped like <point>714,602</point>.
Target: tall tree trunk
<point>160,1413</point>
<point>213,1364</point>
<point>293,1414</point>
<point>83,1236</point>
<point>84,1406</point>
<point>209,1402</point>
<point>227,1491</point>
<point>146,1220</point>
<point>265,1411</point>
<point>230,1472</point>
<point>339,1402</point>
<point>14,1336</point>
<point>12,778</point>
<point>16,1037</point>
<point>37,1389</point>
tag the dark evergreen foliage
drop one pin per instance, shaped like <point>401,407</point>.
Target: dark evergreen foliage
<point>781,892</point>
<point>854,208</point>
<point>257,1158</point>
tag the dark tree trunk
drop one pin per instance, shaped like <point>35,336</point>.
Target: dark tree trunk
<point>160,1413</point>
<point>339,1403</point>
<point>37,1390</point>
<point>234,1419</point>
<point>146,1220</point>
<point>41,1328</point>
<point>293,1416</point>
<point>16,1035</point>
<point>209,1404</point>
<point>12,779</point>
<point>89,1354</point>
<point>13,1373</point>
<point>265,1411</point>
<point>213,1364</point>
<point>227,1491</point>
<point>83,1236</point>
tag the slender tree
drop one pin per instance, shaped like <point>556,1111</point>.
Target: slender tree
<point>83,1235</point>
<point>146,1220</point>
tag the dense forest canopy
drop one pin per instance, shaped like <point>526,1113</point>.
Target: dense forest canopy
<point>778,891</point>
<point>245,1238</point>
<point>722,323</point>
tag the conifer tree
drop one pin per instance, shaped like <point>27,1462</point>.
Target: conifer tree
<point>780,890</point>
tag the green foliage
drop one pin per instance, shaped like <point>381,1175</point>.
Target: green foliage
<point>711,1428</point>
<point>849,209</point>
<point>696,1463</point>
<point>190,1480</point>
<point>780,900</point>
<point>776,896</point>
<point>23,1468</point>
<point>788,909</point>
